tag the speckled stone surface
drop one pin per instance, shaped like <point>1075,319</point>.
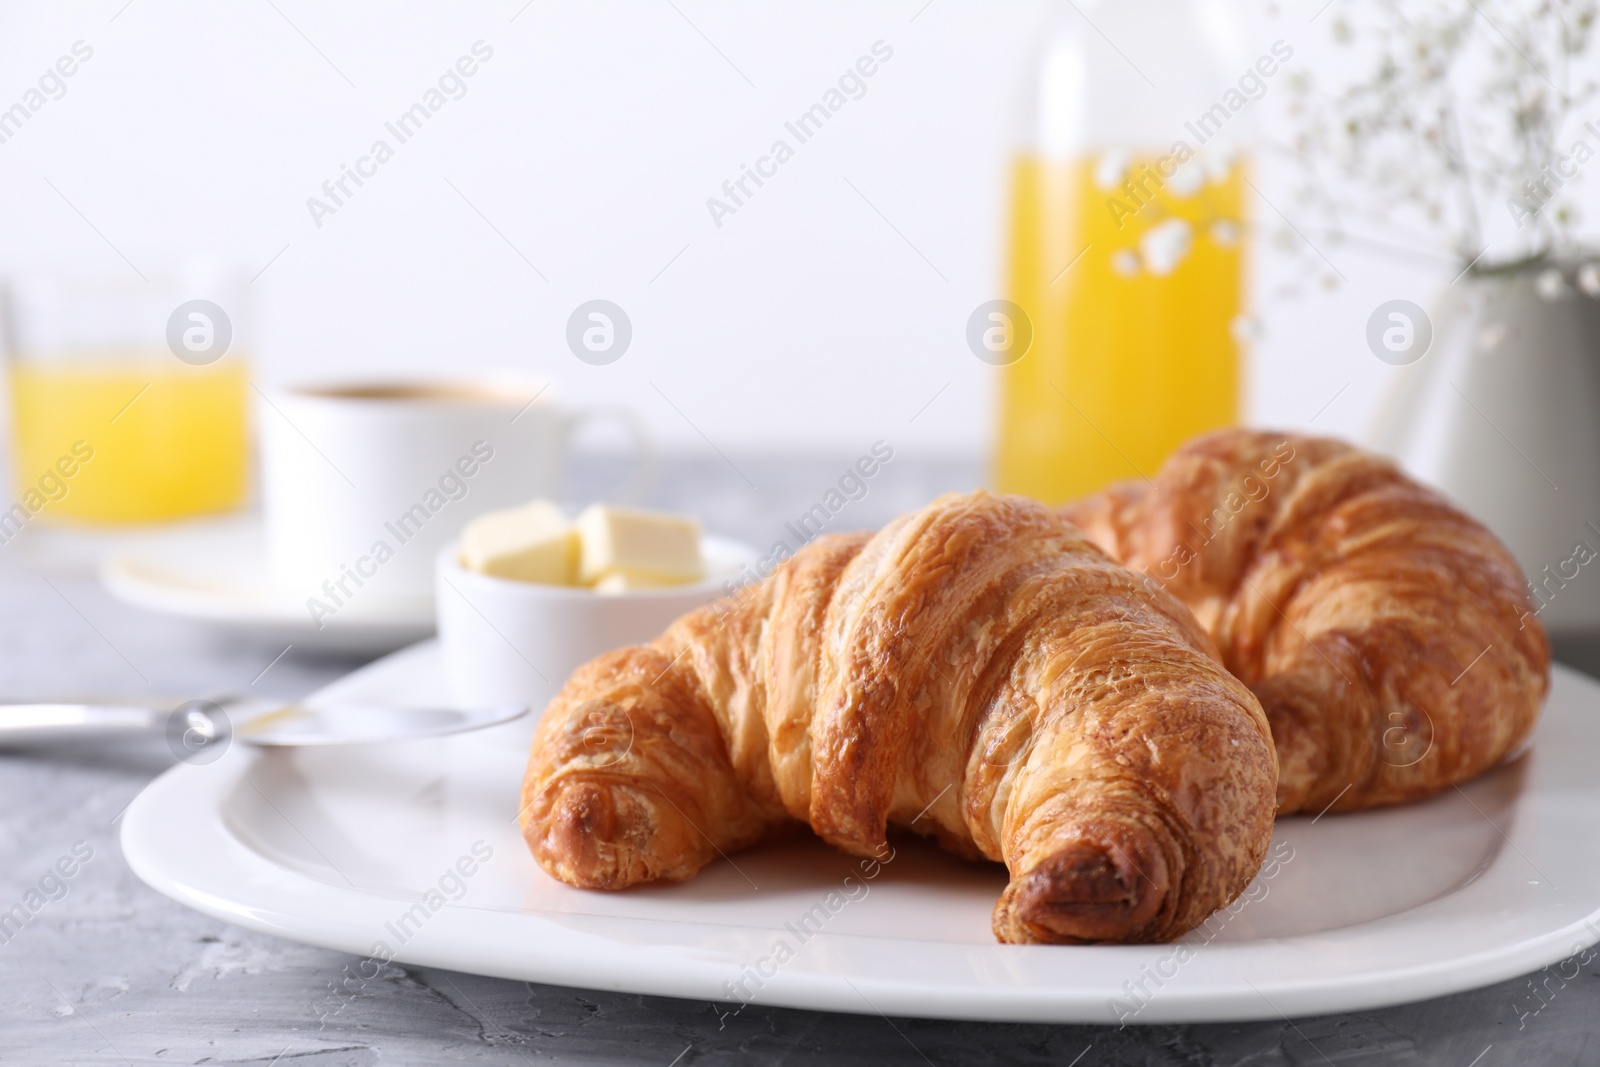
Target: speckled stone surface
<point>112,972</point>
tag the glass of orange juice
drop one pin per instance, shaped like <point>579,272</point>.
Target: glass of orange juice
<point>128,399</point>
<point>1125,248</point>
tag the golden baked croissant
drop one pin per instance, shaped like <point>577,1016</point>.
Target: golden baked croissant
<point>978,672</point>
<point>1389,636</point>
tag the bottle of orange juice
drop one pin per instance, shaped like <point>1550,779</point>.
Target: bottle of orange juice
<point>129,399</point>
<point>1126,243</point>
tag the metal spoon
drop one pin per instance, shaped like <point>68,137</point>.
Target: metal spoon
<point>200,724</point>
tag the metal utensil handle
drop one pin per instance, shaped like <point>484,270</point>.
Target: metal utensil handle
<point>37,724</point>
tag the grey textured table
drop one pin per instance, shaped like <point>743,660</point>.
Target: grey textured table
<point>114,973</point>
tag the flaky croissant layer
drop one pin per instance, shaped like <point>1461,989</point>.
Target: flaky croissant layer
<point>977,672</point>
<point>1389,636</point>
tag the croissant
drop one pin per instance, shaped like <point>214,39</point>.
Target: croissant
<point>1389,636</point>
<point>977,672</point>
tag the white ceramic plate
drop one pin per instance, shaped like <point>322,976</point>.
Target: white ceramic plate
<point>217,573</point>
<point>340,847</point>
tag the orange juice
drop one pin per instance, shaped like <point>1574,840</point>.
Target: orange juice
<point>1134,294</point>
<point>167,439</point>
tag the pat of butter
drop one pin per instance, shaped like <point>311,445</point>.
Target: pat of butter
<point>531,543</point>
<point>626,581</point>
<point>644,546</point>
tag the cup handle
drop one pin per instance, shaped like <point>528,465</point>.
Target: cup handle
<point>643,477</point>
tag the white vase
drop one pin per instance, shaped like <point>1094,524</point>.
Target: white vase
<point>1502,413</point>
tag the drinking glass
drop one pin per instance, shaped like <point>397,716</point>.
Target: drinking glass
<point>1121,336</point>
<point>128,397</point>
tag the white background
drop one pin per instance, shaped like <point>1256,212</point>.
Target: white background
<point>590,143</point>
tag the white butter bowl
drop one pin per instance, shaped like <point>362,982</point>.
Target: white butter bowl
<point>505,641</point>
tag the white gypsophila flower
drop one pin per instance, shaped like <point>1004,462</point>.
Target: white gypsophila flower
<point>1550,284</point>
<point>1186,181</point>
<point>1125,262</point>
<point>1445,113</point>
<point>1219,162</point>
<point>1165,245</point>
<point>1111,168</point>
<point>1589,279</point>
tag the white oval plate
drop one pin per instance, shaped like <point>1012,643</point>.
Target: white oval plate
<point>341,848</point>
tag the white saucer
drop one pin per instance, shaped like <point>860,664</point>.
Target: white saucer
<point>340,849</point>
<point>217,573</point>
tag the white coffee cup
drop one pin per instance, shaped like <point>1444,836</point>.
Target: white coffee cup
<point>363,482</point>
